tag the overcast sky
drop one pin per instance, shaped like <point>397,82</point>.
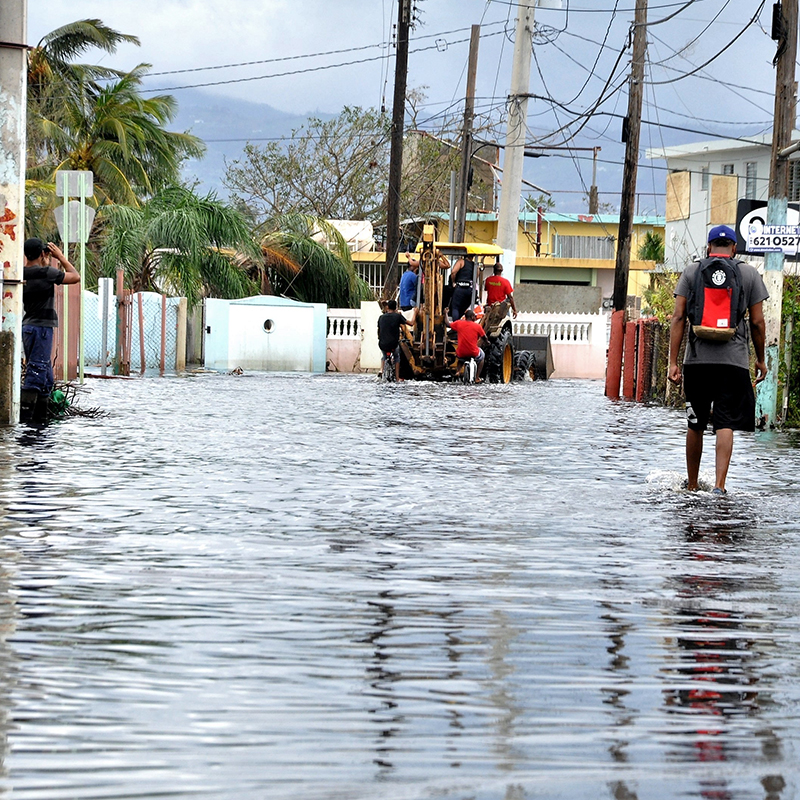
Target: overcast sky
<point>577,49</point>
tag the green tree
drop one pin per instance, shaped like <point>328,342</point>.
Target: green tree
<point>54,77</point>
<point>181,243</point>
<point>652,248</point>
<point>543,201</point>
<point>120,136</point>
<point>307,259</point>
<point>331,169</point>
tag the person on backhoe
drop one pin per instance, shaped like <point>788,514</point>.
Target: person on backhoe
<point>469,334</point>
<point>498,289</point>
<point>462,277</point>
<point>408,285</point>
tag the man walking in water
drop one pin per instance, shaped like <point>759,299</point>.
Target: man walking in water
<point>716,373</point>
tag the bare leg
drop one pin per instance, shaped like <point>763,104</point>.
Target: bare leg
<point>723,455</point>
<point>694,452</point>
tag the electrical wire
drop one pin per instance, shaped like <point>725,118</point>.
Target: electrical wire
<point>385,45</point>
<point>667,18</point>
<point>304,70</point>
<point>696,38</point>
<point>718,54</point>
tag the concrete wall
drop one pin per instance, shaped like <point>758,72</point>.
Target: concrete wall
<point>558,299</point>
<point>370,352</point>
<point>269,334</point>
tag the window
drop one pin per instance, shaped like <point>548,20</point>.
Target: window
<point>794,181</point>
<point>751,176</point>
<point>727,169</point>
<point>704,179</point>
<point>586,247</point>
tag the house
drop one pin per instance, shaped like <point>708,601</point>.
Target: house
<point>565,262</point>
<point>705,180</point>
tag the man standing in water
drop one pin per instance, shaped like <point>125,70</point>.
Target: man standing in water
<point>716,374</point>
<point>40,320</point>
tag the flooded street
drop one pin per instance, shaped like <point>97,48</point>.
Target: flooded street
<point>319,587</point>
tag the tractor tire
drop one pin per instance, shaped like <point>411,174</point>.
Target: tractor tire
<point>524,365</point>
<point>500,359</point>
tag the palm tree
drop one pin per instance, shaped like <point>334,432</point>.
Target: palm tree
<point>120,136</point>
<point>652,248</point>
<point>181,243</point>
<point>54,76</point>
<point>300,265</point>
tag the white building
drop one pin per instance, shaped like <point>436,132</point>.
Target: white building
<point>704,182</point>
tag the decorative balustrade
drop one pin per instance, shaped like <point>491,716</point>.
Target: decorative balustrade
<point>561,328</point>
<point>344,323</point>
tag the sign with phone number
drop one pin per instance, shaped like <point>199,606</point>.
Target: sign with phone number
<point>773,239</point>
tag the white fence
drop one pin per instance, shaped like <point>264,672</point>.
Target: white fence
<point>344,340</point>
<point>344,323</point>
<point>569,329</point>
<point>578,341</point>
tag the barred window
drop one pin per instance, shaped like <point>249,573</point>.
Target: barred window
<point>794,181</point>
<point>727,169</point>
<point>751,175</point>
<point>586,247</point>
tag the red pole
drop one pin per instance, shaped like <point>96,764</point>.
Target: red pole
<point>642,359</point>
<point>614,365</point>
<point>629,363</point>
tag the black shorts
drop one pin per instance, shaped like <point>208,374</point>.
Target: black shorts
<point>720,393</point>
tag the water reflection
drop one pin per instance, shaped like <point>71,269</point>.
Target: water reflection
<point>617,627</point>
<point>360,593</point>
<point>718,683</point>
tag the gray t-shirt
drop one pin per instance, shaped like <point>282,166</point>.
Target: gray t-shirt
<point>735,352</point>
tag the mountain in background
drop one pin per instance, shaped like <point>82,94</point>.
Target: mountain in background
<point>226,124</point>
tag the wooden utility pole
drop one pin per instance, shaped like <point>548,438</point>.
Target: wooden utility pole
<point>466,138</point>
<point>13,87</point>
<point>516,130</point>
<point>777,203</point>
<point>630,135</point>
<point>631,128</point>
<point>396,156</point>
<point>594,198</point>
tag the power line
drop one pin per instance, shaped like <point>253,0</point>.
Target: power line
<point>306,69</point>
<point>718,54</point>
<point>383,44</point>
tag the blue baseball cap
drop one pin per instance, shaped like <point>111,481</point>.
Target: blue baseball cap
<point>722,233</point>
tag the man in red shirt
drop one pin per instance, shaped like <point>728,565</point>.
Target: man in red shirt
<point>469,333</point>
<point>498,289</point>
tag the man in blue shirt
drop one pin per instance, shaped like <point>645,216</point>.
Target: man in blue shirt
<point>408,285</point>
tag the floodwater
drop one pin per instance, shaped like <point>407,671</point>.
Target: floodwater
<point>319,587</point>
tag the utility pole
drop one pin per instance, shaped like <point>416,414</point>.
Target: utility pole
<point>466,139</point>
<point>13,93</point>
<point>777,203</point>
<point>516,130</point>
<point>396,155</point>
<point>594,199</point>
<point>630,135</point>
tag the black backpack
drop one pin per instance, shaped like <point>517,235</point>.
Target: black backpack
<point>716,303</point>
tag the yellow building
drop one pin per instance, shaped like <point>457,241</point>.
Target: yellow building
<point>555,249</point>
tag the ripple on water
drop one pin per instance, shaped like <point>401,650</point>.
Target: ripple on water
<point>323,587</point>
